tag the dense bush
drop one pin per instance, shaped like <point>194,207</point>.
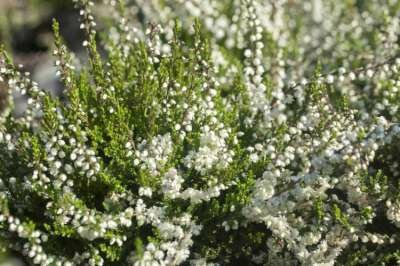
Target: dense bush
<point>210,132</point>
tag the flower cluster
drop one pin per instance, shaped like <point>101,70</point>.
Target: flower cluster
<point>212,152</point>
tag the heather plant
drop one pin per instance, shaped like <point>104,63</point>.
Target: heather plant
<point>210,133</point>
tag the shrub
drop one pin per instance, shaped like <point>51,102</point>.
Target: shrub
<point>260,132</point>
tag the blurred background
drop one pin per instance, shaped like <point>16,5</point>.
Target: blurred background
<point>26,33</point>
